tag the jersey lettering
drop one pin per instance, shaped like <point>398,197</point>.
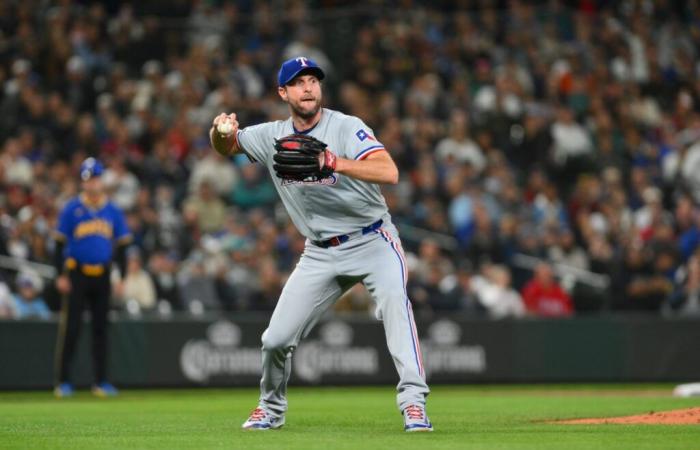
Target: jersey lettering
<point>330,180</point>
<point>94,227</point>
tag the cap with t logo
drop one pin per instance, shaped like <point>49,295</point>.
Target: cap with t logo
<point>294,67</point>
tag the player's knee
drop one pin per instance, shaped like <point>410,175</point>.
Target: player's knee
<point>388,302</point>
<point>275,341</point>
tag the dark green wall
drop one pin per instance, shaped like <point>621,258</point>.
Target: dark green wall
<point>223,351</point>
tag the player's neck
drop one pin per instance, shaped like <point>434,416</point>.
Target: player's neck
<point>302,124</point>
<point>93,200</point>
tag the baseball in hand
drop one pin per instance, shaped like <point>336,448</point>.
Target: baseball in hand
<point>225,127</point>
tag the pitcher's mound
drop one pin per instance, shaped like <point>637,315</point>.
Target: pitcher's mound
<point>689,416</point>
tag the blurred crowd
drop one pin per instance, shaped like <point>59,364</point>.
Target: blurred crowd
<point>567,132</point>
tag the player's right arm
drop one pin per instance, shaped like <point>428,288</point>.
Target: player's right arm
<point>255,141</point>
<point>61,235</point>
<point>225,144</point>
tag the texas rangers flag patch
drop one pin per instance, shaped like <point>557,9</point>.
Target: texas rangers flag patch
<point>362,135</point>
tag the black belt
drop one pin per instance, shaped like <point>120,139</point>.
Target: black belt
<point>91,270</point>
<point>337,240</point>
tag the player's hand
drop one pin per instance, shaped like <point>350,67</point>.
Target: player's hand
<point>63,284</point>
<point>225,124</point>
<point>223,134</point>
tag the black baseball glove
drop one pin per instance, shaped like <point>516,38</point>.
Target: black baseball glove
<point>302,158</point>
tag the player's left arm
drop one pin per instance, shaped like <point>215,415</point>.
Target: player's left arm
<point>61,234</point>
<point>363,157</point>
<point>123,239</point>
<point>377,167</point>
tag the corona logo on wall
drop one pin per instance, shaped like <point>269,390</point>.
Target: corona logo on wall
<point>334,354</point>
<point>219,354</point>
<point>444,354</point>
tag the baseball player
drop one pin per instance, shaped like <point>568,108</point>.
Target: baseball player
<point>327,166</point>
<point>88,228</point>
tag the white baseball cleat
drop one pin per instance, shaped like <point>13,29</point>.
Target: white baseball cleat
<point>262,420</point>
<point>415,418</point>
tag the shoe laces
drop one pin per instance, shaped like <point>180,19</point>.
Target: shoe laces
<point>258,414</point>
<point>414,412</point>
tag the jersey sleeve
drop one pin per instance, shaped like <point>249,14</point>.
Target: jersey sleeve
<point>121,229</point>
<point>360,141</point>
<point>256,141</point>
<point>65,226</point>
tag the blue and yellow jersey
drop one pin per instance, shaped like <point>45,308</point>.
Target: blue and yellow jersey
<point>89,231</point>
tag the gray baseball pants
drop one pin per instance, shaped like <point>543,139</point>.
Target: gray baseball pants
<point>319,279</point>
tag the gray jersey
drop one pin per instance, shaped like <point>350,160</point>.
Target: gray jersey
<point>333,206</point>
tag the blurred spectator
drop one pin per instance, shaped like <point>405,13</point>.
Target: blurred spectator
<point>8,308</point>
<point>16,167</point>
<point>495,293</point>
<point>685,299</point>
<point>483,243</point>
<point>569,146</point>
<point>457,147</point>
<point>544,297</point>
<point>205,210</point>
<point>212,168</point>
<point>122,185</point>
<point>531,144</point>
<point>169,221</point>
<point>572,147</point>
<point>305,43</point>
<point>28,301</point>
<point>196,287</point>
<point>601,255</point>
<point>687,218</point>
<point>548,209</point>
<point>163,268</point>
<point>640,284</point>
<point>690,169</point>
<point>137,284</point>
<point>459,291</point>
<point>501,98</point>
<point>646,217</point>
<point>253,188</point>
<point>460,208</point>
<point>267,287</point>
<point>565,251</point>
<point>161,167</point>
<point>428,293</point>
<point>430,255</point>
<point>207,24</point>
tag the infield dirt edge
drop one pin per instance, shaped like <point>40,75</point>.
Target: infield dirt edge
<point>685,416</point>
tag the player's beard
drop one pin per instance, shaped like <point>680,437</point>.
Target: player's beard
<point>308,112</point>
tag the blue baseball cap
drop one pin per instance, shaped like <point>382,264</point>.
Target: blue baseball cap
<point>91,168</point>
<point>292,68</point>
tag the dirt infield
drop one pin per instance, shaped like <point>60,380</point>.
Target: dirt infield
<point>688,416</point>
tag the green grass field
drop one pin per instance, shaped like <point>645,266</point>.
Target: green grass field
<point>478,417</point>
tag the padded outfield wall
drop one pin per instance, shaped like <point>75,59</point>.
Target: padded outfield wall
<point>225,351</point>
